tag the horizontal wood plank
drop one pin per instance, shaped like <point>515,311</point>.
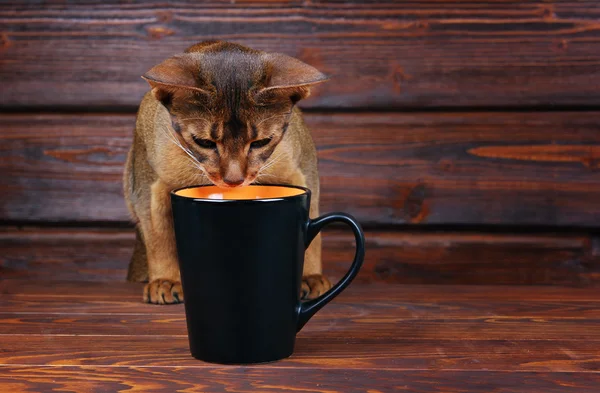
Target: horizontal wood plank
<point>472,168</point>
<point>386,327</point>
<point>327,353</point>
<point>374,338</point>
<point>385,313</point>
<point>52,305</point>
<point>76,255</point>
<point>394,257</point>
<point>384,54</point>
<point>330,325</point>
<point>468,258</point>
<point>309,380</point>
<point>82,292</point>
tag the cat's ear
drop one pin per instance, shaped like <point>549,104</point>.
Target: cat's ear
<point>178,73</point>
<point>287,77</point>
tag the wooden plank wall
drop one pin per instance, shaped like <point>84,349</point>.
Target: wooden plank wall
<point>464,135</point>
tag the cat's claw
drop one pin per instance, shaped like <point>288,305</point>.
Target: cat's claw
<point>314,286</point>
<point>163,291</point>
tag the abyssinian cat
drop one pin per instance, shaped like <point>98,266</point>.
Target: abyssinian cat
<point>224,114</point>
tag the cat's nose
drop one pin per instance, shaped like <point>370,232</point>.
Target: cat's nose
<point>233,175</point>
<point>233,182</point>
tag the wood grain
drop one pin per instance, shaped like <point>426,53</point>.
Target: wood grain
<point>49,304</point>
<point>385,326</point>
<point>325,326</point>
<point>64,171</point>
<point>412,257</point>
<point>63,254</point>
<point>114,291</point>
<point>416,257</point>
<point>247,380</point>
<point>372,338</point>
<point>473,168</point>
<point>326,353</point>
<point>383,55</point>
<point>429,168</point>
<point>383,312</point>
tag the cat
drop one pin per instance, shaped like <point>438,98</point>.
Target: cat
<point>223,114</point>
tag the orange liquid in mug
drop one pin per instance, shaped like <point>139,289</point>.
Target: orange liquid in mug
<point>243,193</point>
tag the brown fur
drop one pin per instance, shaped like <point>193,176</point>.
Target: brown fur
<point>233,109</point>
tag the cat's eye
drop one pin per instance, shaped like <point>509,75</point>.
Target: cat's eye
<point>260,143</point>
<point>205,143</point>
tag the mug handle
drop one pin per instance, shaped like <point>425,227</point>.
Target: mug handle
<point>307,309</point>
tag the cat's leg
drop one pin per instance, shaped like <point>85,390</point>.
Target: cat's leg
<point>164,285</point>
<point>138,267</point>
<point>314,283</point>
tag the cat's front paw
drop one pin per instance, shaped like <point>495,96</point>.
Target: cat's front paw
<point>314,286</point>
<point>163,291</point>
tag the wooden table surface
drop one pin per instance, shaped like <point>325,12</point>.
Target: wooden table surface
<point>99,337</point>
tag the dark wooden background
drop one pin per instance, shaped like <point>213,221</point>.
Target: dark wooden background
<point>464,135</point>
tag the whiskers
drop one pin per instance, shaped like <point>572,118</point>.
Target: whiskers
<point>203,175</point>
<point>190,156</point>
<point>268,164</point>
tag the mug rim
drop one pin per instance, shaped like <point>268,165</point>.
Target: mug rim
<point>306,192</point>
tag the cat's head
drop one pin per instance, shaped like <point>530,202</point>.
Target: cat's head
<point>231,105</point>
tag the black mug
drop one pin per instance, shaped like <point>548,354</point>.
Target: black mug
<point>241,256</point>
